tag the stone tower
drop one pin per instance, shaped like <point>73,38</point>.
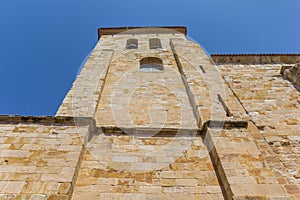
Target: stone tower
<point>152,116</point>
<point>132,80</point>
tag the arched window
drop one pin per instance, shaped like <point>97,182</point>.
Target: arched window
<point>132,44</point>
<point>154,43</point>
<point>151,64</point>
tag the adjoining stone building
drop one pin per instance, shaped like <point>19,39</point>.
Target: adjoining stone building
<point>152,116</point>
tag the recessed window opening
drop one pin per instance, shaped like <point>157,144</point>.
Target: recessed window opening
<point>132,44</point>
<point>154,43</point>
<point>151,64</point>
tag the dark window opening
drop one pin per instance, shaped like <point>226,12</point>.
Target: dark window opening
<point>132,44</point>
<point>151,64</point>
<point>154,43</point>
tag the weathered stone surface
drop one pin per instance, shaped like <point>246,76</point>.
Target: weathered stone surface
<point>39,161</point>
<point>131,166</point>
<point>273,105</point>
<point>293,74</point>
<point>255,58</point>
<point>82,99</point>
<point>131,98</point>
<point>195,130</point>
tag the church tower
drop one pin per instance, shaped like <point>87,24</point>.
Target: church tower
<point>133,82</point>
<point>165,121</point>
<point>149,95</point>
<point>152,116</point>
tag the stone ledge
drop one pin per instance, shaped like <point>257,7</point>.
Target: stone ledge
<point>255,58</point>
<point>227,124</point>
<point>60,120</point>
<point>172,132</point>
<point>148,131</point>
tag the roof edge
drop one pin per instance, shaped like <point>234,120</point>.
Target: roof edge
<point>117,30</point>
<point>255,58</point>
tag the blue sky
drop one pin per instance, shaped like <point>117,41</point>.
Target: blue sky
<point>43,42</point>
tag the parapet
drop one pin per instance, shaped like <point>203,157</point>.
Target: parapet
<point>255,58</point>
<point>118,30</point>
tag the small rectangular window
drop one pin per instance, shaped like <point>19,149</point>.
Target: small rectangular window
<point>154,43</point>
<point>132,44</point>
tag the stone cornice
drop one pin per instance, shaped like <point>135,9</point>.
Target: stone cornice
<point>58,120</point>
<point>118,30</point>
<point>255,58</point>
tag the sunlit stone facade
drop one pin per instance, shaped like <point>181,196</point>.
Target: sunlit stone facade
<point>152,116</point>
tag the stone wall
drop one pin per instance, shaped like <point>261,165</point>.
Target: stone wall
<point>143,167</point>
<point>82,98</point>
<point>194,131</point>
<point>212,100</point>
<point>132,98</point>
<point>243,167</point>
<point>273,105</point>
<point>40,156</point>
<point>293,74</point>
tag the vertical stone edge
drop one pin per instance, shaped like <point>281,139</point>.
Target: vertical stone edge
<point>88,86</point>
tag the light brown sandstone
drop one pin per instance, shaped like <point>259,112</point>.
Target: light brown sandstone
<point>196,130</point>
